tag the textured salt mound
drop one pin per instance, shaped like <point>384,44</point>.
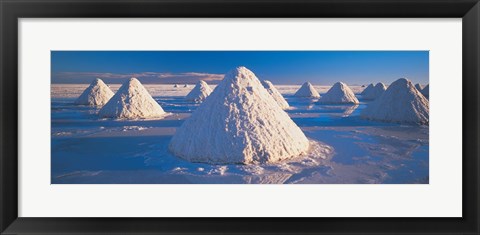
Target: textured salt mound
<point>97,94</point>
<point>375,92</point>
<point>339,93</point>
<point>275,94</point>
<point>380,88</point>
<point>401,103</point>
<point>426,91</point>
<point>419,87</point>
<point>368,89</point>
<point>307,90</point>
<point>199,92</point>
<point>239,123</point>
<point>132,101</point>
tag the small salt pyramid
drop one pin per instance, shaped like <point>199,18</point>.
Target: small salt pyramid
<point>380,88</point>
<point>339,93</point>
<point>199,92</point>
<point>240,122</point>
<point>401,103</point>
<point>132,101</point>
<point>97,94</point>
<point>426,91</point>
<point>419,87</point>
<point>275,94</point>
<point>368,89</point>
<point>307,90</point>
<point>375,92</point>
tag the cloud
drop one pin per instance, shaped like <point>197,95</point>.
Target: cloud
<point>144,77</point>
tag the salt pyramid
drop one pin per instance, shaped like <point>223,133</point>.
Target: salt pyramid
<point>239,123</point>
<point>368,89</point>
<point>380,88</point>
<point>426,91</point>
<point>419,87</point>
<point>375,92</point>
<point>97,94</point>
<point>132,101</point>
<point>339,93</point>
<point>307,90</point>
<point>275,94</point>
<point>199,92</point>
<point>401,103</point>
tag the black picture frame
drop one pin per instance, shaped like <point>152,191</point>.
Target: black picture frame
<point>12,10</point>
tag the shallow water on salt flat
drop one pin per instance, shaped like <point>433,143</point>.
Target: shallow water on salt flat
<point>86,149</point>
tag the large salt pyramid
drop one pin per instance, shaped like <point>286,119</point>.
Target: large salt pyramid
<point>307,90</point>
<point>426,91</point>
<point>240,122</point>
<point>97,94</point>
<point>132,101</point>
<point>199,92</point>
<point>401,103</point>
<point>339,93</point>
<point>275,94</point>
<point>368,89</point>
<point>375,92</point>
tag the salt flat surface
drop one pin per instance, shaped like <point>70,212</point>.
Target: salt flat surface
<point>345,148</point>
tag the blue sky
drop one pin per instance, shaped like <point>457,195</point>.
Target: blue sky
<point>280,67</point>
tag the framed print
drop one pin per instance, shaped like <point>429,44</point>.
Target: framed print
<point>201,117</point>
<point>343,139</point>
